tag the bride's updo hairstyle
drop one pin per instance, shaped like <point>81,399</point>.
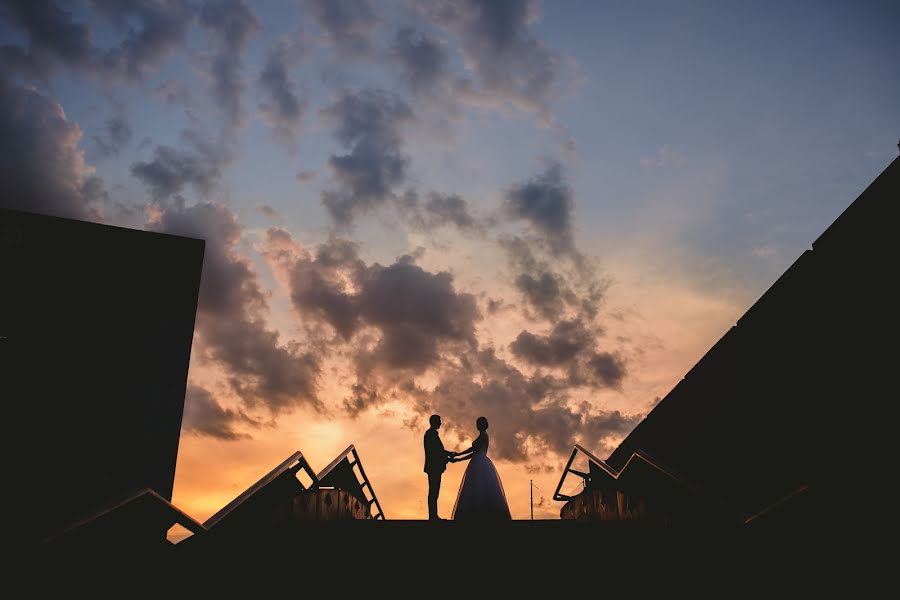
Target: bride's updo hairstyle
<point>481,423</point>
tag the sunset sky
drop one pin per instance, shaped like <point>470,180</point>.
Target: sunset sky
<point>543,213</point>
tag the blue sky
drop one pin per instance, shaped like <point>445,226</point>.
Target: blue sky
<point>623,178</point>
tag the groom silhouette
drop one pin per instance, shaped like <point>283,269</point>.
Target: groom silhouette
<point>436,459</point>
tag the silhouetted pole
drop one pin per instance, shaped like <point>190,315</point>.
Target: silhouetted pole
<point>531,490</point>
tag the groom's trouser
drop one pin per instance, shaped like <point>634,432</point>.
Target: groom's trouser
<point>434,489</point>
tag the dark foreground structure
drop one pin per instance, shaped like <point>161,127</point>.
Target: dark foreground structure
<point>96,324</point>
<point>777,423</point>
<point>289,498</point>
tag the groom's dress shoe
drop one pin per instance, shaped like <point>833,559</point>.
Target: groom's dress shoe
<point>436,519</point>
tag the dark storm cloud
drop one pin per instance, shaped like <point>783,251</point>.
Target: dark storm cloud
<point>422,59</point>
<point>510,65</point>
<point>439,210</point>
<point>41,166</point>
<point>149,30</point>
<point>203,415</point>
<point>546,202</point>
<point>261,370</point>
<point>198,164</point>
<point>115,137</point>
<point>368,125</point>
<point>347,24</point>
<point>232,24</point>
<point>282,108</point>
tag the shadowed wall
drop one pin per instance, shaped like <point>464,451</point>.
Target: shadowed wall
<point>96,325</point>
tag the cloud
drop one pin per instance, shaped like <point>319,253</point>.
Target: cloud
<point>565,342</point>
<point>172,169</point>
<point>173,91</point>
<point>422,59</point>
<point>347,24</point>
<point>545,292</point>
<point>320,283</point>
<point>399,322</point>
<point>555,279</point>
<point>42,168</point>
<point>262,371</point>
<point>368,125</point>
<point>603,369</point>
<point>411,335</point>
<point>545,202</point>
<point>268,211</point>
<point>282,108</point>
<point>511,67</point>
<point>152,29</point>
<point>232,24</point>
<point>53,37</point>
<point>559,285</point>
<point>204,416</point>
<point>415,313</point>
<point>149,30</point>
<point>115,137</point>
<point>528,415</point>
<point>571,346</point>
<point>439,210</point>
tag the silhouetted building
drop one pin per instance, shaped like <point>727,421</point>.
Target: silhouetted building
<point>292,495</point>
<point>96,324</point>
<point>774,422</point>
<point>134,528</point>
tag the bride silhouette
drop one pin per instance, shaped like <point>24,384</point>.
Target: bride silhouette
<point>481,495</point>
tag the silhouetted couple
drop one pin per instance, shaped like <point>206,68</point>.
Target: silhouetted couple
<point>481,495</point>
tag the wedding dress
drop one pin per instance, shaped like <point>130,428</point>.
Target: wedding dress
<point>481,495</point>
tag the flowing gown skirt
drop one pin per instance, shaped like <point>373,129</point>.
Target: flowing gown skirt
<point>481,495</point>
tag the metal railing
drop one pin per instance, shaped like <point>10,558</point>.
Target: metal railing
<point>643,457</point>
<point>294,463</point>
<point>363,485</point>
<point>560,497</point>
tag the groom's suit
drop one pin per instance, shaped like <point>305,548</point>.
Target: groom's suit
<point>436,459</point>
